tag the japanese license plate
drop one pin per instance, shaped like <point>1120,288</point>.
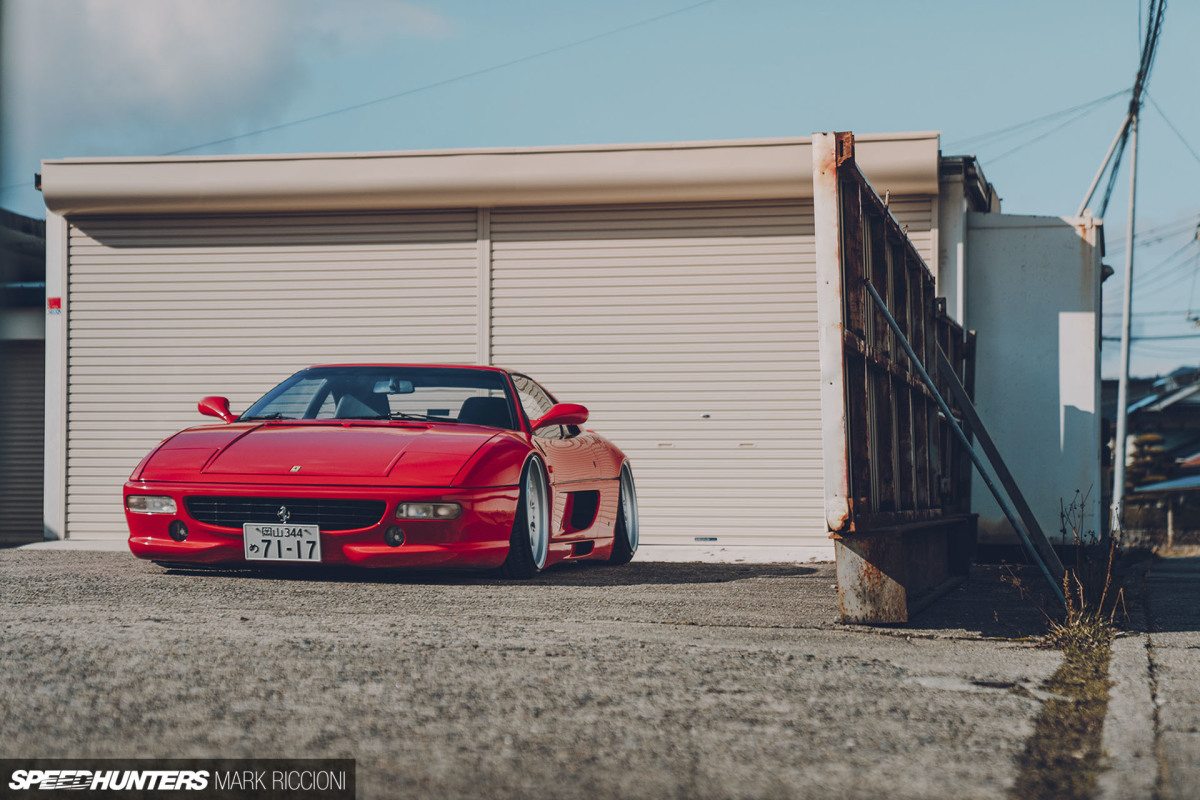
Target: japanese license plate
<point>281,542</point>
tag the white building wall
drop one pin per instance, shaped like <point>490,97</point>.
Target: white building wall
<point>951,262</point>
<point>1034,301</point>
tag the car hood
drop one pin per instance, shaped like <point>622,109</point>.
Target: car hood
<point>334,453</point>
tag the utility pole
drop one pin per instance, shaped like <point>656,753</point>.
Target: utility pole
<point>1128,127</point>
<point>1118,494</point>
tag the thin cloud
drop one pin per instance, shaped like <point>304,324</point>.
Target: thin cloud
<point>128,76</point>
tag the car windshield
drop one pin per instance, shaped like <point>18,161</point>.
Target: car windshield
<point>441,394</point>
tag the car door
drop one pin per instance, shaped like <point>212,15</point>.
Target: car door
<point>570,453</point>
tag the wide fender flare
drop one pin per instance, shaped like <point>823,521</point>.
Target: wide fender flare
<point>498,462</point>
<point>136,475</point>
<point>610,459</point>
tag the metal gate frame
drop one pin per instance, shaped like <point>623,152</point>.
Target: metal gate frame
<point>897,481</point>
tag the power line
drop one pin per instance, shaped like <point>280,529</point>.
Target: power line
<point>1160,232</point>
<point>20,185</point>
<point>1179,313</point>
<point>980,138</point>
<point>1154,22</point>
<point>1055,129</point>
<point>1164,276</point>
<point>445,82</point>
<point>1155,338</point>
<point>1153,273</point>
<point>1171,125</point>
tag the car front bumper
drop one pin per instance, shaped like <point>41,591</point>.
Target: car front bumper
<point>477,539</point>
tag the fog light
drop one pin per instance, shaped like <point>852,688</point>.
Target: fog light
<point>177,530</point>
<point>149,504</point>
<point>428,511</point>
<point>393,536</point>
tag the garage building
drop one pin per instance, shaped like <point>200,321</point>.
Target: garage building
<point>670,288</point>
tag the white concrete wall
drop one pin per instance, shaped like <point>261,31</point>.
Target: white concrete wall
<point>951,251</point>
<point>1034,300</point>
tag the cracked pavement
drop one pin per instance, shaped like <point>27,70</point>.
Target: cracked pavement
<point>653,680</point>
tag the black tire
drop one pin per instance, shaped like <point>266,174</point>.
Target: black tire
<point>529,544</point>
<point>625,535</point>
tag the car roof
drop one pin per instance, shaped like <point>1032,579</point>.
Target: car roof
<point>410,365</point>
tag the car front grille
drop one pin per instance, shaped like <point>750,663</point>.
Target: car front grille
<point>329,514</point>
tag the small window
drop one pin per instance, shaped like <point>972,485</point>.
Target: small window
<point>536,401</point>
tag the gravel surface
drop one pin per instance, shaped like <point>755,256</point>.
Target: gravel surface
<point>651,680</point>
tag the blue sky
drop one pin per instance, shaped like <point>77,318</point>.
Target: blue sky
<point>145,77</point>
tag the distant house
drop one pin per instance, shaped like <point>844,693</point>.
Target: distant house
<point>1164,428</point>
<point>1168,406</point>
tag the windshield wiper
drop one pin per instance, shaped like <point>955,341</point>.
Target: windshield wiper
<point>272,415</point>
<point>407,415</point>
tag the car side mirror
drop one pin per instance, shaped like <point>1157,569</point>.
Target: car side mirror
<point>561,414</point>
<point>216,407</point>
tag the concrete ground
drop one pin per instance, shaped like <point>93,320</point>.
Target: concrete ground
<point>651,680</point>
<point>1152,732</point>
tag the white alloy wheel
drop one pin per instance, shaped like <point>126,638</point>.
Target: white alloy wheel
<point>537,513</point>
<point>629,508</point>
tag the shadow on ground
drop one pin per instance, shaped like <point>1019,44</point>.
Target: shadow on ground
<point>576,574</point>
<point>1175,583</point>
<point>997,600</point>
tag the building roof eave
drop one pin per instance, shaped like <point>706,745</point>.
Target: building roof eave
<point>640,173</point>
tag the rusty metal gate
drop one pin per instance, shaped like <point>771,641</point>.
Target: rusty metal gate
<point>897,481</point>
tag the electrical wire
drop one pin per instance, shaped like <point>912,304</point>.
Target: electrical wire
<point>1115,164</point>
<point>1175,130</point>
<point>1154,20</point>
<point>445,82</point>
<point>8,187</point>
<point>1192,291</point>
<point>1154,338</point>
<point>1001,133</point>
<point>1172,268</point>
<point>1175,313</point>
<point>1055,129</point>
<point>1157,233</point>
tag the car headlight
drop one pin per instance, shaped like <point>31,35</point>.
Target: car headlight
<point>150,504</point>
<point>428,511</point>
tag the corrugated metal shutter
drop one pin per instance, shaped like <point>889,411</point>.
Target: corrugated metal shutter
<point>22,442</point>
<point>915,213</point>
<point>690,331</point>
<point>163,311</point>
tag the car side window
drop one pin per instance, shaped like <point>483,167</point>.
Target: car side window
<point>536,401</point>
<point>326,410</point>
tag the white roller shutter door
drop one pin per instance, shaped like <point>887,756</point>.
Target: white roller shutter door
<point>23,366</point>
<point>690,332</point>
<point>162,311</point>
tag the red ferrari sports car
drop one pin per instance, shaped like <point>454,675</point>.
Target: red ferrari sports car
<point>388,466</point>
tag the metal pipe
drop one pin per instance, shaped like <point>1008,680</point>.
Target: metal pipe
<point>1118,494</point>
<point>1103,166</point>
<point>1170,522</point>
<point>966,443</point>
